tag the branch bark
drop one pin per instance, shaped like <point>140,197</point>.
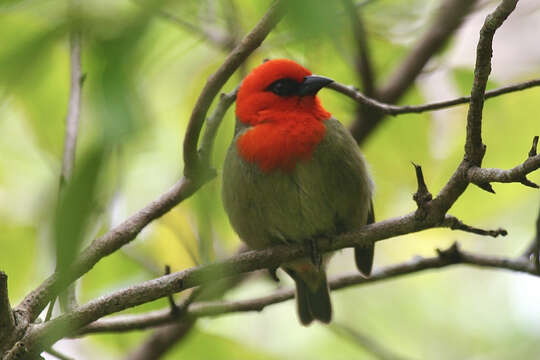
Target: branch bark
<point>474,148</point>
<point>40,336</point>
<point>448,257</point>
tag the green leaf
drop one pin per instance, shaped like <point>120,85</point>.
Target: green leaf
<point>75,206</point>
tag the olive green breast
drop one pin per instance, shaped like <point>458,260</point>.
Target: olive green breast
<point>328,194</point>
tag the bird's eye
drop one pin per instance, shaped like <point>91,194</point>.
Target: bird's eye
<point>284,87</point>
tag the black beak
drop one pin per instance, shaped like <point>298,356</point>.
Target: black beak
<point>312,84</point>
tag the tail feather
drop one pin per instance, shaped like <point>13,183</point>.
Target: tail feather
<point>312,304</point>
<point>363,257</point>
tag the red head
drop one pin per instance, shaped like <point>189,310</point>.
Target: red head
<point>278,99</point>
<point>277,88</point>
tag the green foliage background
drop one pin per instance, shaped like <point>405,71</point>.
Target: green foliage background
<point>144,74</point>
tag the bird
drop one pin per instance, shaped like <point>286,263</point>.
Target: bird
<point>293,174</point>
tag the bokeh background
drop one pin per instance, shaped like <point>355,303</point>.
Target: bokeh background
<point>143,75</point>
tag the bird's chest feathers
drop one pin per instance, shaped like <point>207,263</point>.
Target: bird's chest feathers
<point>281,145</point>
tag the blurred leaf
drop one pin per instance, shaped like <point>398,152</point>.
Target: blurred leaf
<point>172,242</point>
<point>312,19</point>
<point>75,206</point>
<point>18,247</point>
<point>112,86</point>
<point>31,69</point>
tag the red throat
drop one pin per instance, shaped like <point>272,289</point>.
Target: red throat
<point>279,146</point>
<point>283,129</point>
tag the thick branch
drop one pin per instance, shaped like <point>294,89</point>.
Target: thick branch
<point>248,44</point>
<point>448,257</point>
<point>45,334</point>
<point>390,109</point>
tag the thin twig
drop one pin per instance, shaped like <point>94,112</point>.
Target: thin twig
<point>390,109</point>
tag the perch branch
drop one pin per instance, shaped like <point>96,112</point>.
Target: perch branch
<point>45,334</point>
<point>448,257</point>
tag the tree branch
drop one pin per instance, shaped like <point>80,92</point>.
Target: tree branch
<point>390,109</point>
<point>444,258</point>
<point>474,148</point>
<point>43,335</point>
<point>481,176</point>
